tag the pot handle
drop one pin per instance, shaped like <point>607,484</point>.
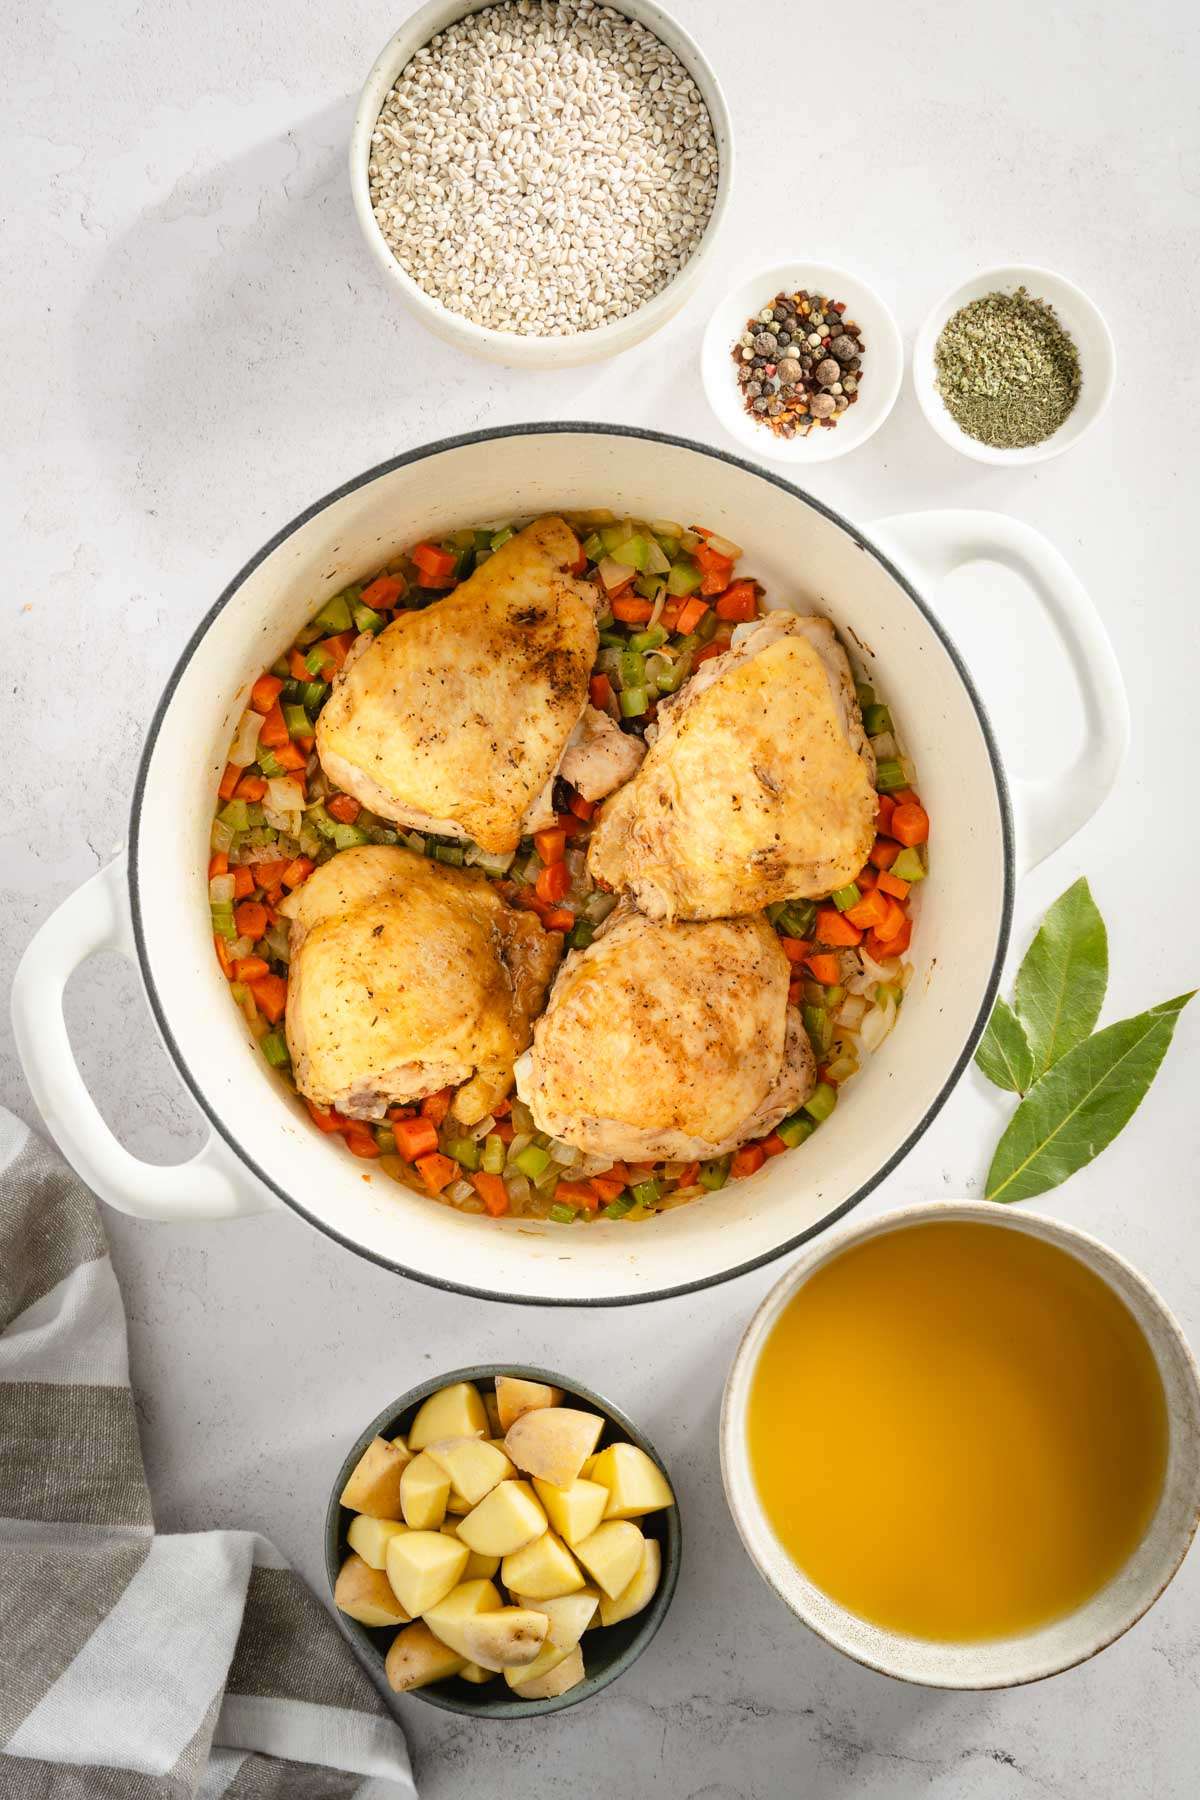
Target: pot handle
<point>96,917</point>
<point>930,546</point>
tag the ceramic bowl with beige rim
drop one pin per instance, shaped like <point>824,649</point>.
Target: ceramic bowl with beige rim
<point>520,350</point>
<point>1062,1642</point>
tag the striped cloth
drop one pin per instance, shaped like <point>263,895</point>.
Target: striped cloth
<point>134,1666</point>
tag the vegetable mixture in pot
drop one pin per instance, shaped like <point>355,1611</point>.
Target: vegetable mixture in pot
<point>668,600</point>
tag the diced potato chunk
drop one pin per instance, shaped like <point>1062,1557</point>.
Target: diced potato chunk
<point>568,1615</point>
<point>553,1442</point>
<point>365,1594</point>
<point>564,1675</point>
<point>547,1658</point>
<point>509,1639</point>
<point>636,1485</point>
<point>491,1407</point>
<point>542,1570</point>
<point>612,1555</point>
<point>505,1520</point>
<point>423,1566</point>
<point>463,1603</point>
<point>641,1589</point>
<point>515,1396</point>
<point>374,1484</point>
<point>473,1465</point>
<point>479,1568</point>
<point>456,1505</point>
<point>454,1411</point>
<point>417,1657</point>
<point>588,1466</point>
<point>573,1511</point>
<point>473,1673</point>
<point>424,1491</point>
<point>371,1537</point>
<point>510,1473</point>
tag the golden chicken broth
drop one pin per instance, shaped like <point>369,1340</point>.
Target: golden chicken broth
<point>957,1431</point>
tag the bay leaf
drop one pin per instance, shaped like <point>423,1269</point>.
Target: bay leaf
<point>1060,985</point>
<point>1004,1055</point>
<point>1078,1107</point>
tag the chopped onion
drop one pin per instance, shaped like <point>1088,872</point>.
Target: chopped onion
<point>666,528</point>
<point>521,1140</point>
<point>741,632</point>
<point>852,1011</point>
<point>517,1187</point>
<point>459,1191</point>
<point>221,889</point>
<point>614,574</point>
<point>288,822</point>
<point>877,1024</point>
<point>285,794</point>
<point>656,611</point>
<point>566,1155</point>
<point>885,747</point>
<point>482,1128</point>
<point>522,1118</point>
<point>241,947</point>
<point>657,561</point>
<point>724,546</point>
<point>245,744</point>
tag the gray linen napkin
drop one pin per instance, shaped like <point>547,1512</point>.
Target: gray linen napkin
<point>135,1666</point>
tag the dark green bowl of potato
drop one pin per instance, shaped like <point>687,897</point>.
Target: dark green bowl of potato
<point>366,1554</point>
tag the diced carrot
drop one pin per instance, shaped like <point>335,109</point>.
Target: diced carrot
<point>550,845</point>
<point>270,996</point>
<point>866,879</point>
<point>297,872</point>
<point>892,884</point>
<point>244,883</point>
<point>746,1160</point>
<point>668,618</point>
<point>502,1109</point>
<point>689,1175</point>
<point>250,787</point>
<point>290,757</point>
<point>893,923</point>
<point>492,1192</point>
<point>884,853</point>
<point>431,559</point>
<point>361,1142</point>
<point>739,602</point>
<point>437,1171</point>
<point>396,1113</point>
<point>415,1137</point>
<point>305,743</point>
<point>504,1130</point>
<point>795,992</point>
<point>223,956</point>
<point>570,825</point>
<point>558,918</point>
<point>631,609</point>
<point>384,591</point>
<point>834,927</point>
<point>882,948</point>
<point>274,733</point>
<point>325,1118</point>
<point>600,692</point>
<point>298,669</point>
<point>583,809</point>
<point>715,570</point>
<point>265,693</point>
<point>576,1193</point>
<point>905,797</point>
<point>270,874</point>
<point>825,968</point>
<point>709,651</point>
<point>796,949</point>
<point>885,806</point>
<point>343,807</point>
<point>871,910</point>
<point>337,649</point>
<point>218,864</point>
<point>436,1106</point>
<point>910,824</point>
<point>690,614</point>
<point>228,781</point>
<point>606,1187</point>
<point>250,968</point>
<point>251,919</point>
<point>773,1145</point>
<point>553,883</point>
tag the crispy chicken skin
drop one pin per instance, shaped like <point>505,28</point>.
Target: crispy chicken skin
<point>408,976</point>
<point>668,1040</point>
<point>453,720</point>
<point>759,785</point>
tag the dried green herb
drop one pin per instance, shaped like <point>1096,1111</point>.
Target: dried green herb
<point>1007,370</point>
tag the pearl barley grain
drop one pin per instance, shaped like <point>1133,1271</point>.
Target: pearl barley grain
<point>543,168</point>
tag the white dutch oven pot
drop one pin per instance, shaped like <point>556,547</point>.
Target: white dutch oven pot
<point>153,904</point>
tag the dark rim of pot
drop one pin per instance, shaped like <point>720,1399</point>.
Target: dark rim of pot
<point>566,428</point>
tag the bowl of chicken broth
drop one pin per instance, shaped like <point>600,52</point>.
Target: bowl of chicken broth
<point>963,1445</point>
<point>568,865</point>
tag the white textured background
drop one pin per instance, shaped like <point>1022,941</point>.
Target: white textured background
<point>195,346</point>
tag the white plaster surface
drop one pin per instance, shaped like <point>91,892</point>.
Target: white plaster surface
<point>195,346</point>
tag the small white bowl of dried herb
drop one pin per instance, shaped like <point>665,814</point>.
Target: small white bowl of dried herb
<point>1014,366</point>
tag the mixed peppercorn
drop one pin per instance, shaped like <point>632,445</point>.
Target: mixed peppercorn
<point>799,363</point>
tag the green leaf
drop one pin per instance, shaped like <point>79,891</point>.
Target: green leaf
<point>1004,1054</point>
<point>1077,1108</point>
<point>1060,985</point>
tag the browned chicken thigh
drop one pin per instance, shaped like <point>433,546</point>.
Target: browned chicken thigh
<point>408,976</point>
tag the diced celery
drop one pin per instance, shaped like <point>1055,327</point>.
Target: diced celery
<point>385,1137</point>
<point>793,1131</point>
<point>235,814</point>
<point>648,586</point>
<point>255,815</point>
<point>647,1193</point>
<point>297,721</point>
<point>533,1161</point>
<point>465,1152</point>
<point>890,775</point>
<point>562,1215</point>
<point>708,627</point>
<point>865,693</point>
<point>501,537</point>
<point>821,1101</point>
<point>593,547</point>
<point>774,911</point>
<point>347,837</point>
<point>274,1047</point>
<point>335,615</point>
<point>315,661</point>
<point>367,619</point>
<point>616,1209</point>
<point>834,996</point>
<point>631,672</point>
<point>634,702</point>
<point>611,536</point>
<point>494,862</point>
<point>580,935</point>
<point>684,578</point>
<point>715,1174</point>
<point>312,694</point>
<point>613,640</point>
<point>269,765</point>
<point>448,853</point>
<point>221,837</point>
<point>656,562</point>
<point>908,865</point>
<point>846,897</point>
<point>239,991</point>
<point>493,1154</point>
<point>819,1027</point>
<point>648,640</point>
<point>888,990</point>
<point>796,918</point>
<point>668,544</point>
<point>223,925</point>
<point>876,719</point>
<point>672,678</point>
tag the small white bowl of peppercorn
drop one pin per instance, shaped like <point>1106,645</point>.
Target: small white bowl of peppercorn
<point>802,362</point>
<point>1014,366</point>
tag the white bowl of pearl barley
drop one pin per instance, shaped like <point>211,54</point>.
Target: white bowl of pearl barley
<point>541,181</point>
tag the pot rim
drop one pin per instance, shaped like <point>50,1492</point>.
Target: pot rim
<point>566,428</point>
